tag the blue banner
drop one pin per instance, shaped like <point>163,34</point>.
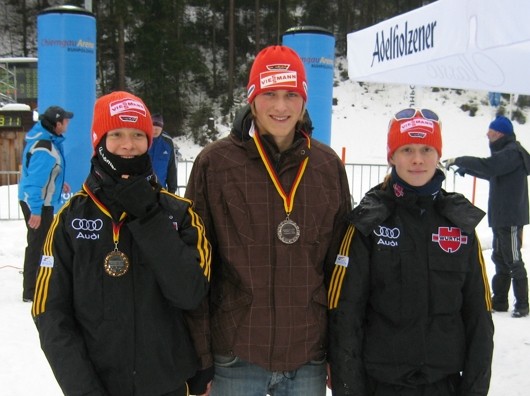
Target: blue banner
<point>67,78</point>
<point>316,47</point>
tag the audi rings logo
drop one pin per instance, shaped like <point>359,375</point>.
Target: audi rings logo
<point>87,225</point>
<point>387,236</point>
<point>385,232</point>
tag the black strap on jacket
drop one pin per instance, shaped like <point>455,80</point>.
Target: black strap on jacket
<point>46,144</point>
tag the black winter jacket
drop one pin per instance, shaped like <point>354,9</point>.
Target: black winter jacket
<point>409,296</point>
<point>126,335</point>
<point>506,170</point>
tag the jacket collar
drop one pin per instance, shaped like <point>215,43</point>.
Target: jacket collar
<point>379,203</point>
<point>39,132</point>
<point>502,142</point>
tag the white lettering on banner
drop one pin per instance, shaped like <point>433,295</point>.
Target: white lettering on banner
<point>475,67</point>
<point>399,44</point>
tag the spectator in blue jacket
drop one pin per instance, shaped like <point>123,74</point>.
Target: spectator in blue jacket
<point>506,170</point>
<point>41,185</point>
<point>162,153</point>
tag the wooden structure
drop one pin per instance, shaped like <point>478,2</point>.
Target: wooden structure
<point>13,127</point>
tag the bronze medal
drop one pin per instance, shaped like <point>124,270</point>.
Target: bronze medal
<point>288,231</point>
<point>116,263</point>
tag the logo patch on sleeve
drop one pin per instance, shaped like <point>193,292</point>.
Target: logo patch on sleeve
<point>342,260</point>
<point>46,261</point>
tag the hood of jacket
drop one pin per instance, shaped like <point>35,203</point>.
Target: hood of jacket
<point>379,203</point>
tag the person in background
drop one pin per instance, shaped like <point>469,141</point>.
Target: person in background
<point>41,185</point>
<point>162,153</point>
<point>122,264</point>
<point>274,202</point>
<point>507,171</point>
<point>410,309</point>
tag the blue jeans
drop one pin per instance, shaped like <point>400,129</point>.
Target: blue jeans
<point>236,377</point>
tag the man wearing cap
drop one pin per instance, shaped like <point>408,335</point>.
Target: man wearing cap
<point>506,169</point>
<point>41,185</point>
<point>162,153</point>
<point>274,202</point>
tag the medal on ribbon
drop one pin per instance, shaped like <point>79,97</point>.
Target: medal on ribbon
<point>287,231</point>
<point>116,263</point>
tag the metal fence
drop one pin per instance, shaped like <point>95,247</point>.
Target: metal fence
<point>9,207</point>
<point>361,178</point>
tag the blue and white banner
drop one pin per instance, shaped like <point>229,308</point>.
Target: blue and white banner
<point>471,44</point>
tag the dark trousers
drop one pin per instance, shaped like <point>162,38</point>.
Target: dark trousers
<point>447,386</point>
<point>35,242</point>
<point>509,267</point>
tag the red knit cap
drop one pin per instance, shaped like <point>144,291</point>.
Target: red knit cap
<point>277,67</point>
<point>416,130</point>
<point>120,110</point>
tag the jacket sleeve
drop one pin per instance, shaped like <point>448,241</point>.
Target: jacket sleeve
<point>171,179</point>
<point>476,313</point>
<point>60,337</point>
<point>341,222</point>
<point>177,251</point>
<point>199,319</point>
<point>498,164</point>
<point>347,298</point>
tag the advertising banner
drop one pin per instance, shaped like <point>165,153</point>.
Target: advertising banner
<point>67,78</point>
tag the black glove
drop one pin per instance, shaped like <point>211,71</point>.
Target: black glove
<point>460,171</point>
<point>137,196</point>
<point>199,382</point>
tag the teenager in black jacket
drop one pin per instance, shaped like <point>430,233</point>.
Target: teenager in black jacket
<point>410,310</point>
<point>123,262</point>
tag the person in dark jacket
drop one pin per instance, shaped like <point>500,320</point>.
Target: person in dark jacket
<point>123,262</point>
<point>162,153</point>
<point>410,309</point>
<point>41,185</point>
<point>274,202</point>
<point>507,171</point>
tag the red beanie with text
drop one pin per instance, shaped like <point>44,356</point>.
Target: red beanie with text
<point>277,67</point>
<point>120,110</point>
<point>414,130</point>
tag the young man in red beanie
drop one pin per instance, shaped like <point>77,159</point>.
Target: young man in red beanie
<point>122,263</point>
<point>274,202</point>
<point>507,171</point>
<point>410,310</point>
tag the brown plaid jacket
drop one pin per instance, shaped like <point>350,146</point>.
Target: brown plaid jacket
<point>267,303</point>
